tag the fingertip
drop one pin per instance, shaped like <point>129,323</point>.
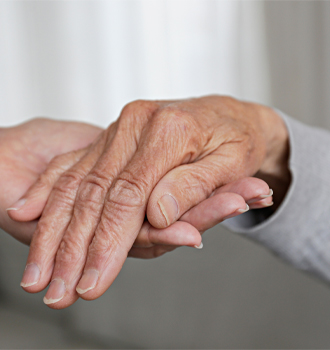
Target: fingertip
<point>18,205</point>
<point>30,210</point>
<point>264,203</point>
<point>249,188</point>
<point>88,295</point>
<point>261,197</point>
<point>88,281</point>
<point>200,246</point>
<point>178,234</point>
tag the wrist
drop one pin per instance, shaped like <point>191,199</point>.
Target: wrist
<point>275,167</point>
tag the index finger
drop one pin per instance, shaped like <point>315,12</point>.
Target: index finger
<point>122,210</point>
<point>125,206</point>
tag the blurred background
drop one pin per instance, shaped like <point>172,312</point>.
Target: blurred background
<point>84,60</point>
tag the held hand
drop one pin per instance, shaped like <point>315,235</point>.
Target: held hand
<point>226,202</point>
<point>29,152</point>
<point>25,151</point>
<point>163,157</point>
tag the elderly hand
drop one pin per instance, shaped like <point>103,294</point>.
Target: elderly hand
<point>163,157</point>
<point>27,150</point>
<point>30,151</point>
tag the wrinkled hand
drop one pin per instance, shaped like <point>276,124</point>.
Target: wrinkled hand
<point>28,152</point>
<point>159,157</point>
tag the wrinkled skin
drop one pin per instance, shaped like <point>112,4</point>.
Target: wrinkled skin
<point>96,208</point>
<point>27,150</point>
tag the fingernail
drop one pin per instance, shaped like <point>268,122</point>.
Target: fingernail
<point>55,291</point>
<point>88,281</point>
<point>199,246</point>
<point>31,275</point>
<point>169,208</point>
<point>268,204</point>
<point>237,212</point>
<point>241,211</point>
<point>267,195</point>
<point>261,197</point>
<point>18,205</point>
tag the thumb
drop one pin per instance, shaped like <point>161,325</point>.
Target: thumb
<point>182,188</point>
<point>31,205</point>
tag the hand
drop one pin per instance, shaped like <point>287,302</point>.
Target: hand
<point>97,207</point>
<point>226,202</point>
<point>25,152</point>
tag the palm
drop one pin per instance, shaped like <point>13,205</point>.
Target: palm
<point>25,151</point>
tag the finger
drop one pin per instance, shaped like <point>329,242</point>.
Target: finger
<point>268,202</point>
<point>184,187</point>
<point>251,189</point>
<point>120,144</point>
<point>187,185</point>
<point>214,210</point>
<point>124,208</point>
<point>31,205</point>
<point>87,210</point>
<point>227,201</point>
<point>221,205</point>
<point>178,234</point>
<point>55,219</point>
<point>151,252</point>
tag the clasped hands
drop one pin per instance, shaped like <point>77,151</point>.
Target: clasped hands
<point>156,179</point>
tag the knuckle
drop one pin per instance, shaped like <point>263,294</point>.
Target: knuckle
<point>98,178</point>
<point>90,195</point>
<point>70,180</point>
<point>93,189</point>
<point>127,191</point>
<point>103,244</point>
<point>70,251</point>
<point>133,108</point>
<point>42,241</point>
<point>172,119</point>
<point>67,185</point>
<point>175,128</point>
<point>45,180</point>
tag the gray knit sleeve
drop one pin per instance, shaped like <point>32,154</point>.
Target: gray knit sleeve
<point>299,231</point>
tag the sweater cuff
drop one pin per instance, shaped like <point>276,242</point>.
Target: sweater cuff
<point>299,230</point>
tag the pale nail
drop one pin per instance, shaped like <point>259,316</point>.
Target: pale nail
<point>267,195</point>
<point>169,208</point>
<point>241,211</point>
<point>88,281</point>
<point>268,204</point>
<point>18,205</point>
<point>199,246</point>
<point>261,197</point>
<point>237,212</point>
<point>31,275</point>
<point>55,291</point>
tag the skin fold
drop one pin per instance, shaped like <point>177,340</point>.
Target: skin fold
<point>163,158</point>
